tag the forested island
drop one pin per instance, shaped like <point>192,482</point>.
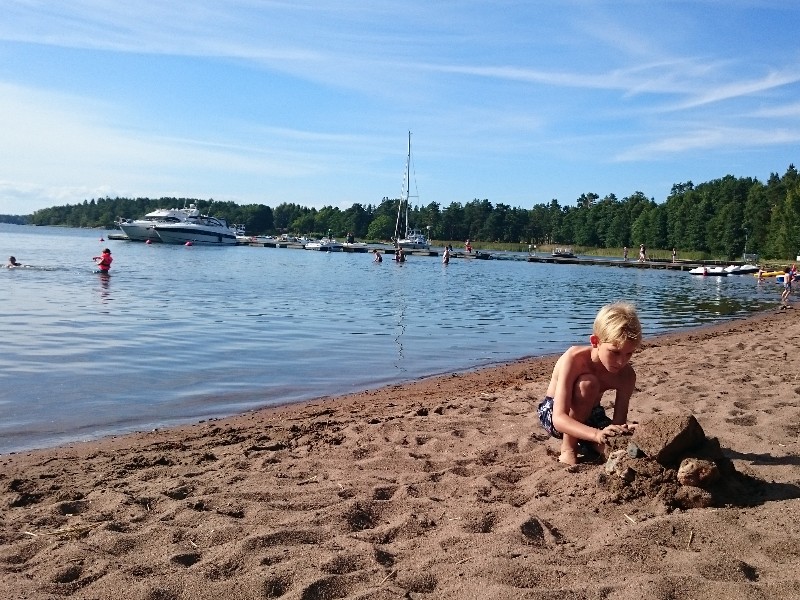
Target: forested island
<point>724,217</point>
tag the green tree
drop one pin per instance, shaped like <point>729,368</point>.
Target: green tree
<point>381,228</point>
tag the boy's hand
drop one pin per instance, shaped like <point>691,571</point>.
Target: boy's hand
<point>609,432</point>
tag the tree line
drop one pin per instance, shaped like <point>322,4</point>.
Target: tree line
<point>724,218</point>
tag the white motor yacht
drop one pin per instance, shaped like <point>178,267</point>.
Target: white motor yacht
<point>202,230</point>
<point>141,230</point>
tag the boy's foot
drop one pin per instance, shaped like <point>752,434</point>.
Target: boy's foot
<point>568,457</point>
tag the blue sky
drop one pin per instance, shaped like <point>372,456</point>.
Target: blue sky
<point>310,102</point>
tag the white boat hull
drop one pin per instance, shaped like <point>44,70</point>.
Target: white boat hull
<point>139,231</point>
<point>324,245</point>
<point>412,245</point>
<point>196,233</point>
<point>709,271</point>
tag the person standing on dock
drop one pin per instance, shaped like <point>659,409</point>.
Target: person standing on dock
<point>642,253</point>
<point>674,255</point>
<point>625,254</point>
<point>468,247</point>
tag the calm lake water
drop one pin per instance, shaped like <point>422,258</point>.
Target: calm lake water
<point>177,334</point>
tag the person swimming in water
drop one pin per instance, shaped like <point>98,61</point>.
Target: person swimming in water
<point>12,262</point>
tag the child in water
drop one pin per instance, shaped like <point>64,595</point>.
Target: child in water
<point>104,261</point>
<point>571,409</point>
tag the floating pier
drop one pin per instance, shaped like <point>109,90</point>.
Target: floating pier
<point>483,255</point>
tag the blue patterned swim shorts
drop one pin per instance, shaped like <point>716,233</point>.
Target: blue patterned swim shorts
<point>597,419</point>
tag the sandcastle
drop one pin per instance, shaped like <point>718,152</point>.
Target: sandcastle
<point>669,458</point>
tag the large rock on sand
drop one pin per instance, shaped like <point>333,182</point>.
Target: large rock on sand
<point>667,438</point>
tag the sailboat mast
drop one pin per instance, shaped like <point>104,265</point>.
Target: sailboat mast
<point>408,179</point>
<point>404,194</point>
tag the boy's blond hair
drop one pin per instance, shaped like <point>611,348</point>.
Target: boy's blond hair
<point>617,323</point>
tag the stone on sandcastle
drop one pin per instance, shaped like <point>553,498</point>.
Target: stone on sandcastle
<point>667,438</point>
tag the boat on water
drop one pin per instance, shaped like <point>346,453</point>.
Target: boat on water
<point>325,245</point>
<point>709,271</point>
<point>405,237</point>
<point>205,230</point>
<point>141,230</point>
<point>741,269</point>
<point>562,253</point>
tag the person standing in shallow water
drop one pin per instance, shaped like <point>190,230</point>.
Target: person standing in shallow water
<point>104,261</point>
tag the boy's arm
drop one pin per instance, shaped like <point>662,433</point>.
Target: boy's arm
<point>624,393</point>
<point>570,368</point>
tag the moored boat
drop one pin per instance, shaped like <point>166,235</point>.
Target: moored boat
<point>741,269</point>
<point>141,230</point>
<point>562,253</point>
<point>201,230</point>
<point>709,271</point>
<point>325,245</point>
<point>412,239</point>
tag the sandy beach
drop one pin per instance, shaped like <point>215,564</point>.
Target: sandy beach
<point>445,488</point>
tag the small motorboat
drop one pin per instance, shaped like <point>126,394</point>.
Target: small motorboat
<point>709,271</point>
<point>563,253</point>
<point>741,269</point>
<point>325,245</point>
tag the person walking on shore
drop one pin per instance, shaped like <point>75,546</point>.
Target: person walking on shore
<point>787,288</point>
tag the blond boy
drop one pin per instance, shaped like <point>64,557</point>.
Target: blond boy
<point>571,409</point>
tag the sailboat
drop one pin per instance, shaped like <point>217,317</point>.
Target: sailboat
<point>412,239</point>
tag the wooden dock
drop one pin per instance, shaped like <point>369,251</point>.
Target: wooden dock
<point>680,265</point>
<point>483,255</point>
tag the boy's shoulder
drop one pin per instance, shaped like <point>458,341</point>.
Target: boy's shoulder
<point>578,350</point>
<point>576,354</point>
